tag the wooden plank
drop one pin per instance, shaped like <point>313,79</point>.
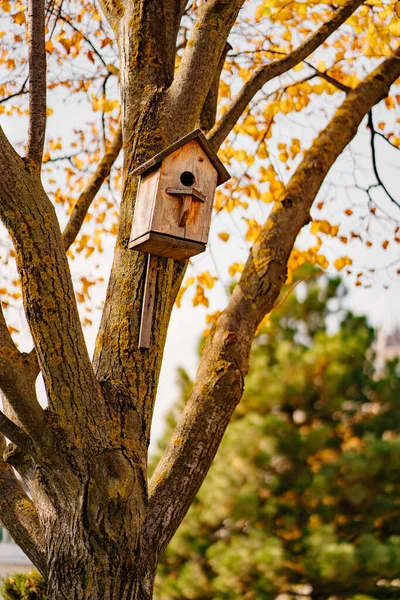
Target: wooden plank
<point>146,321</point>
<point>168,246</point>
<point>187,192</point>
<point>168,208</point>
<point>145,203</point>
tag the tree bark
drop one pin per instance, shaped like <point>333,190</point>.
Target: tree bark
<point>83,565</point>
<point>92,527</point>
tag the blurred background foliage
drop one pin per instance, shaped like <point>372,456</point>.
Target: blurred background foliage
<point>303,498</point>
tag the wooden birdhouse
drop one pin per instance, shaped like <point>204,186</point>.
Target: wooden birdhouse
<point>175,198</point>
<point>173,209</point>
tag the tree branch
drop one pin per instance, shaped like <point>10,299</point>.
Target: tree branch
<point>37,81</point>
<point>374,163</point>
<point>84,201</point>
<point>219,382</point>
<point>48,294</point>
<point>267,72</point>
<point>209,111</point>
<point>15,434</point>
<point>18,373</point>
<point>340,86</point>
<point>19,516</point>
<point>185,98</point>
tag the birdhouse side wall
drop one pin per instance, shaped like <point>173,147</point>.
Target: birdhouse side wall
<point>191,158</point>
<point>145,204</point>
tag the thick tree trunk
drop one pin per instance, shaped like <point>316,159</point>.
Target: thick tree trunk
<point>80,571</point>
<point>94,536</point>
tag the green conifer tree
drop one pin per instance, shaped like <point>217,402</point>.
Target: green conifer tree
<point>303,496</point>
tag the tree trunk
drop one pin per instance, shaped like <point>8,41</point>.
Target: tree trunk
<point>94,538</point>
<point>80,572</point>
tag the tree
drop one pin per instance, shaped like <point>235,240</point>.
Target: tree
<point>302,497</point>
<point>92,524</point>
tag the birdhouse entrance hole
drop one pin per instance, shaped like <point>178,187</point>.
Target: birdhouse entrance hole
<point>187,179</point>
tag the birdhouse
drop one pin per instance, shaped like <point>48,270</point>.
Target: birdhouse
<point>175,198</point>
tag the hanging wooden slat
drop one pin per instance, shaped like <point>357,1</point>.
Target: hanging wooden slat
<point>148,302</point>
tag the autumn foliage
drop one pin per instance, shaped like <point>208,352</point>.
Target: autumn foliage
<point>300,100</point>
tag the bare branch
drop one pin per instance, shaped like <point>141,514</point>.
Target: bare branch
<point>22,90</point>
<point>329,79</point>
<point>19,516</point>
<point>186,97</point>
<point>37,81</point>
<point>374,163</point>
<point>267,72</point>
<point>224,363</point>
<point>84,201</point>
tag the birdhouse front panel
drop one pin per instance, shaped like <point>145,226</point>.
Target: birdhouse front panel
<point>185,194</point>
<point>175,198</point>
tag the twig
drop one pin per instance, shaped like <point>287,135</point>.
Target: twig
<point>22,90</point>
<point>370,124</point>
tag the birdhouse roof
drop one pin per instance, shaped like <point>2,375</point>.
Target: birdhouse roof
<point>223,174</point>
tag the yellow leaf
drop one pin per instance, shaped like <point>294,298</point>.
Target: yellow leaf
<point>253,230</point>
<point>394,26</point>
<point>389,102</point>
<point>82,243</point>
<point>397,8</point>
<point>339,263</point>
<point>224,236</point>
<point>109,105</point>
<point>199,297</point>
<point>19,17</point>
<point>235,268</point>
<point>206,279</point>
<point>6,7</point>
<point>78,162</point>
